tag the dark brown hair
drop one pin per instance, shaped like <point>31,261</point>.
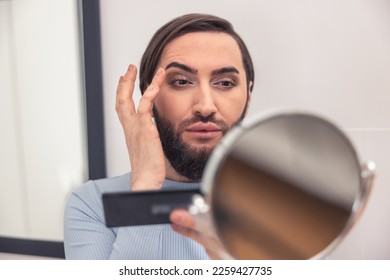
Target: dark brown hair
<point>181,26</point>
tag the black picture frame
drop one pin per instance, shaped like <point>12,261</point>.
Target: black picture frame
<point>90,23</point>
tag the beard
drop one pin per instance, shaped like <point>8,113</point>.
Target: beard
<point>187,161</point>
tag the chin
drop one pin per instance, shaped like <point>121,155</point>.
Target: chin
<point>201,147</point>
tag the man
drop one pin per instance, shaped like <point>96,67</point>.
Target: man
<point>196,76</point>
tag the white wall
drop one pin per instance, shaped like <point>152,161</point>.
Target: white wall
<point>42,151</point>
<point>331,57</point>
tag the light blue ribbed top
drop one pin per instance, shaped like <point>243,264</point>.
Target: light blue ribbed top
<point>87,237</point>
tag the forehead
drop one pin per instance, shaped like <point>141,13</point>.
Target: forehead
<point>203,50</point>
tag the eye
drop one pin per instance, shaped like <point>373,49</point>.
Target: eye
<point>180,82</point>
<point>225,83</point>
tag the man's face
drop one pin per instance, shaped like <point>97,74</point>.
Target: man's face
<point>203,96</point>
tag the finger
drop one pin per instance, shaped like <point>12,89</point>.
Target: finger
<point>190,233</point>
<point>183,218</point>
<point>198,237</point>
<point>183,223</point>
<point>146,102</point>
<point>124,94</point>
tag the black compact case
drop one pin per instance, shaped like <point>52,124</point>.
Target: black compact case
<point>144,207</point>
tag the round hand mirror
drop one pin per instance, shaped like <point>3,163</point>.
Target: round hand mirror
<point>282,186</point>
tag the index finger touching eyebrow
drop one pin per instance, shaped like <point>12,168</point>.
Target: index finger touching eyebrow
<point>150,94</point>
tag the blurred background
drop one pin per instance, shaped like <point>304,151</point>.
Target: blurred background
<point>329,57</point>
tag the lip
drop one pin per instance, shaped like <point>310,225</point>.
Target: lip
<point>204,130</point>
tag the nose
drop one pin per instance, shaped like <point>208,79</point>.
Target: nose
<point>204,104</point>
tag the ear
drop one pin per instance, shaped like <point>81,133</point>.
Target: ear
<point>249,96</point>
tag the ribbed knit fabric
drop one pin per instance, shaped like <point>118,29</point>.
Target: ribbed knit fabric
<point>87,237</point>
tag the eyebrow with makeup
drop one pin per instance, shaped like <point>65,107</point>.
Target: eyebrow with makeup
<point>190,70</point>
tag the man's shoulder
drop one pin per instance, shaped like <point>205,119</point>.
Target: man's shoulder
<point>113,184</point>
<point>95,188</point>
<point>87,198</point>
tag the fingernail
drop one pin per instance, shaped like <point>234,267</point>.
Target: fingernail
<point>131,66</point>
<point>159,72</point>
<point>120,78</point>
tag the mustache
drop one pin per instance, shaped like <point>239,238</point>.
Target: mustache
<point>204,119</point>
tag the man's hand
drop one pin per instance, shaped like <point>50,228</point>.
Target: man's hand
<point>184,223</point>
<point>142,139</point>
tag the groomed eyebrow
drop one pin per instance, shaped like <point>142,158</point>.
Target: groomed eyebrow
<point>225,70</point>
<point>182,67</point>
<point>193,71</point>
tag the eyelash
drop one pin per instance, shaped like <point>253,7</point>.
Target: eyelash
<point>231,83</point>
<point>179,82</point>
